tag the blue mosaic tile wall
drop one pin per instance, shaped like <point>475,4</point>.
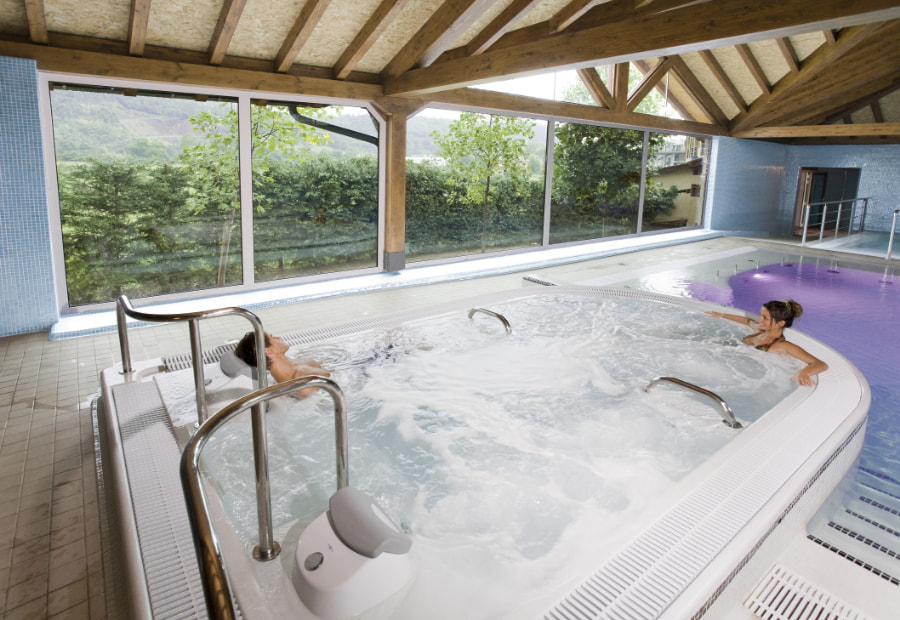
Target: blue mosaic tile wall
<point>27,293</point>
<point>879,178</point>
<point>747,191</point>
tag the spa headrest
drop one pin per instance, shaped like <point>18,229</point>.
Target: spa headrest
<point>233,366</point>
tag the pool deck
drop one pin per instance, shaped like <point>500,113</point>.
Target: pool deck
<point>50,516</point>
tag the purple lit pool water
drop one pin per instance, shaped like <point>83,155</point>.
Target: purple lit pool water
<point>856,312</point>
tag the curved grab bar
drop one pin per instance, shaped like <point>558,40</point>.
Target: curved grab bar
<point>496,315</point>
<point>124,307</point>
<point>727,414</point>
<point>215,580</point>
<point>890,247</point>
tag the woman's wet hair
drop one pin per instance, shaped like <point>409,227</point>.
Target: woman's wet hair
<point>785,311</point>
<point>246,349</point>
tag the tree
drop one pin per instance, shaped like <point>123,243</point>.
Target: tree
<point>476,148</point>
<point>273,134</point>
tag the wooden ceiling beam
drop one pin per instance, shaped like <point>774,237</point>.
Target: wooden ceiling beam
<point>874,91</point>
<point>819,61</point>
<point>570,13</point>
<point>366,38</point>
<point>37,22</point>
<point>436,35</point>
<point>876,112</point>
<point>224,31</point>
<point>752,65</point>
<point>725,22</point>
<point>696,91</point>
<point>137,26</point>
<point>663,89</point>
<point>126,67</point>
<point>790,56</point>
<point>618,81</point>
<point>649,82</point>
<point>720,75</point>
<point>490,102</point>
<point>597,89</point>
<point>499,26</point>
<point>306,22</point>
<point>819,131</point>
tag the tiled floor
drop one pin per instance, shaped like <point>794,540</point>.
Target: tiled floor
<point>51,565</point>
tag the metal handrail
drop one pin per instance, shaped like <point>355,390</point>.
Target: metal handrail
<point>727,414</point>
<point>891,240</point>
<point>124,308</point>
<point>807,209</point>
<point>496,315</point>
<point>216,587</point>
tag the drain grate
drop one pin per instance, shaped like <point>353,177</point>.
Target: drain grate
<point>782,595</point>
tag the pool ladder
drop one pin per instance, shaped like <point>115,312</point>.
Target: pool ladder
<point>496,315</point>
<point>727,414</point>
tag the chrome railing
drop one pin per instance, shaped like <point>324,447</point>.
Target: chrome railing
<point>891,240</point>
<point>857,213</point>
<point>216,587</point>
<point>125,309</point>
<point>496,315</point>
<point>727,414</point>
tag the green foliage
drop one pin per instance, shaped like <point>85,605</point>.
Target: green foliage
<point>477,147</point>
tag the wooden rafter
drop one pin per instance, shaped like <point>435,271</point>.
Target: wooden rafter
<point>696,91</point>
<point>436,35</point>
<point>790,56</point>
<point>719,73</point>
<point>570,13</point>
<point>664,90</point>
<point>305,23</point>
<point>649,82</point>
<point>752,65</point>
<point>225,28</point>
<point>656,34</point>
<point>499,26</point>
<point>819,62</point>
<point>597,89</point>
<point>873,92</point>
<point>37,23</point>
<point>659,6</point>
<point>137,26</point>
<point>830,36</point>
<point>367,36</point>
<point>818,131</point>
<point>876,112</point>
<point>618,81</point>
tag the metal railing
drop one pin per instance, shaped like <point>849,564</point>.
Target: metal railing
<point>838,208</point>
<point>216,587</point>
<point>496,315</point>
<point>124,308</point>
<point>890,247</point>
<point>727,414</point>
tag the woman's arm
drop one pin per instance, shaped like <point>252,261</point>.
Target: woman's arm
<point>813,366</point>
<point>743,320</point>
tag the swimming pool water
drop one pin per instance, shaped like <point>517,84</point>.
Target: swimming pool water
<point>852,307</point>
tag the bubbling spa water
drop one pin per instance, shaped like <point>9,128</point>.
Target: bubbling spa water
<point>516,461</point>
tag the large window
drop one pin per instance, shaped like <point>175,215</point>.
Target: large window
<point>315,189</point>
<point>596,182</point>
<point>676,182</point>
<point>147,205</point>
<point>474,184</point>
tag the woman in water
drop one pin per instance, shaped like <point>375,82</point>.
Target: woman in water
<point>773,318</point>
<point>278,364</point>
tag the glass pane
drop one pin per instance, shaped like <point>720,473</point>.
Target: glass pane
<point>596,182</point>
<point>474,184</point>
<point>315,190</point>
<point>148,192</point>
<point>676,181</point>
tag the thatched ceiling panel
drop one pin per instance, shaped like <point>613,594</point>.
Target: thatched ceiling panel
<point>736,69</point>
<point>12,17</point>
<point>770,60</point>
<point>712,85</point>
<point>542,12</point>
<point>328,42</point>
<point>264,25</point>
<point>806,44</point>
<point>395,36</point>
<point>183,24</point>
<point>93,18</point>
